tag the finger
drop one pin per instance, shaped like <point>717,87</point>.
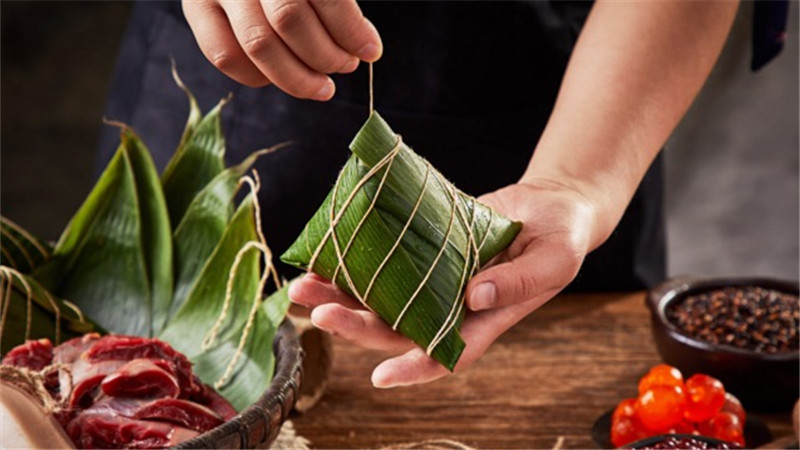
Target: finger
<point>271,56</point>
<point>218,43</point>
<point>298,25</point>
<point>359,327</point>
<point>479,331</point>
<point>412,367</point>
<point>543,267</point>
<point>349,28</point>
<point>312,291</point>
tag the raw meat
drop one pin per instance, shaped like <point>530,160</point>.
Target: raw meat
<point>180,412</point>
<point>126,348</point>
<point>126,391</point>
<point>141,378</point>
<point>209,397</point>
<point>33,355</point>
<point>109,431</point>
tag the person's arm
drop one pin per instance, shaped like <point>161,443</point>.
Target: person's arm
<point>635,70</point>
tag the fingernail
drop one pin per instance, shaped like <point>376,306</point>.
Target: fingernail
<point>316,323</point>
<point>369,52</point>
<point>293,292</point>
<point>326,92</point>
<point>350,66</point>
<point>381,382</point>
<point>483,297</point>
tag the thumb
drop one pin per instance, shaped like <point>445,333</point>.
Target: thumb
<point>541,270</point>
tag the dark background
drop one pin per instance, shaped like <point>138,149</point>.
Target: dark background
<point>732,165</point>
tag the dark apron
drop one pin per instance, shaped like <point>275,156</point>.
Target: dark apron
<point>469,85</point>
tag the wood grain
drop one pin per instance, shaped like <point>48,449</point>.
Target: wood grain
<point>552,375</point>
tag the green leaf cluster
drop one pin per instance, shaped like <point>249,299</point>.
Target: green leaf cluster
<point>154,256</point>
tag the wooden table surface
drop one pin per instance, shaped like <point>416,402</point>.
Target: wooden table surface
<point>550,376</point>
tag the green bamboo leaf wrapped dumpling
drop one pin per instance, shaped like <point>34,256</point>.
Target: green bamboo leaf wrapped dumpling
<point>399,237</point>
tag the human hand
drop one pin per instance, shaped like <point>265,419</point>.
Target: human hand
<point>542,260</point>
<point>292,44</point>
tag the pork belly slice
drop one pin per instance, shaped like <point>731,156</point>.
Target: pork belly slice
<point>126,348</point>
<point>142,378</point>
<point>33,355</point>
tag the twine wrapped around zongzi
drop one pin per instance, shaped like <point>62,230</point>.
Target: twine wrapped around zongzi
<point>399,237</point>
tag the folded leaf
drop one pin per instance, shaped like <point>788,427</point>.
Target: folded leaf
<point>30,312</point>
<point>398,236</point>
<point>255,366</point>
<point>21,250</point>
<point>114,259</point>
<point>204,303</point>
<point>203,225</point>
<point>199,158</point>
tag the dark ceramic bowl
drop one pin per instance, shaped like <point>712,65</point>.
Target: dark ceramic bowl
<point>765,382</point>
<point>259,424</point>
<point>649,442</point>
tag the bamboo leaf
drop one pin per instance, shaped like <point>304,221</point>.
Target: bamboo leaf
<point>30,312</point>
<point>112,259</point>
<point>200,158</point>
<point>204,302</point>
<point>256,364</point>
<point>195,115</point>
<point>156,237</point>
<point>203,225</point>
<point>21,250</point>
<point>409,240</point>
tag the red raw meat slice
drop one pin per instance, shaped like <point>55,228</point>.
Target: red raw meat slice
<point>182,412</point>
<point>86,378</point>
<point>33,355</point>
<point>141,378</point>
<point>90,430</point>
<point>69,352</point>
<point>132,347</point>
<point>207,396</point>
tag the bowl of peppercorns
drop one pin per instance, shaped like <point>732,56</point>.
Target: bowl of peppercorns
<point>742,331</point>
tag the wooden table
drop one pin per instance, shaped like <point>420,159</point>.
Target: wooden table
<point>550,376</point>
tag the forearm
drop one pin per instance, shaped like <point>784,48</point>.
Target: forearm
<point>634,72</point>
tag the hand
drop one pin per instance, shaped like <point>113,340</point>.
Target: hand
<point>542,260</point>
<point>292,44</point>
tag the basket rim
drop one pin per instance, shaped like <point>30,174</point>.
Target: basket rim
<point>277,400</point>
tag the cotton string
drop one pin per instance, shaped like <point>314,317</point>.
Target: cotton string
<point>269,269</point>
<point>371,92</point>
<point>32,382</point>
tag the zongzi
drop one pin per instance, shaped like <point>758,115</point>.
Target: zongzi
<point>399,237</point>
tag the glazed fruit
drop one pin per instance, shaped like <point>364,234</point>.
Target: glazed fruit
<point>661,407</point>
<point>668,405</point>
<point>724,426</point>
<point>705,396</point>
<point>625,408</point>
<point>625,430</point>
<point>661,375</point>
<point>734,406</point>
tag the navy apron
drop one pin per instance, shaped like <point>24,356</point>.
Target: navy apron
<point>469,85</point>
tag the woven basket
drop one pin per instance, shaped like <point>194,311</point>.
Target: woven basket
<point>259,424</point>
